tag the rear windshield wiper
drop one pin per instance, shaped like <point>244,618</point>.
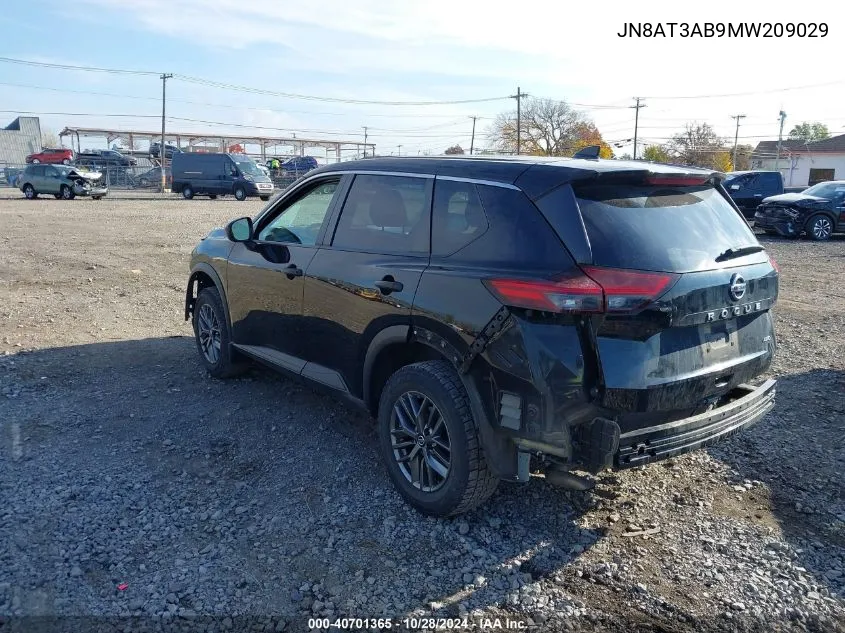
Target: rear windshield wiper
<point>733,253</point>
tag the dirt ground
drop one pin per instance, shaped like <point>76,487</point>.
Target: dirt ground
<point>121,462</point>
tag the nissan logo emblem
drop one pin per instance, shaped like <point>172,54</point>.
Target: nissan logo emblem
<point>737,287</point>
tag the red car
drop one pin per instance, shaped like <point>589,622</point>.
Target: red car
<point>52,156</point>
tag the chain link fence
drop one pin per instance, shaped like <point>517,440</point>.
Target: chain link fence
<point>126,178</point>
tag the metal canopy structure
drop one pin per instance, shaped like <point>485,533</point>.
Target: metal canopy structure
<point>218,142</point>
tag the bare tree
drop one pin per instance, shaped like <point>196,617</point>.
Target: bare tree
<point>547,128</point>
<point>49,138</point>
<point>455,149</point>
<point>698,145</point>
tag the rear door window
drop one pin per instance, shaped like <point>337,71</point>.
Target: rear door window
<point>661,228</point>
<point>457,217</point>
<point>385,214</point>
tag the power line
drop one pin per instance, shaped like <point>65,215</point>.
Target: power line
<point>754,92</point>
<point>113,71</point>
<point>227,105</point>
<point>239,88</point>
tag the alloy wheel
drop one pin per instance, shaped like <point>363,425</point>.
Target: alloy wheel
<point>822,228</point>
<point>208,331</point>
<point>420,441</point>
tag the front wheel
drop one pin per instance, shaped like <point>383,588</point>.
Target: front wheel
<point>429,441</point>
<point>187,192</point>
<point>264,198</point>
<point>213,337</point>
<point>66,193</point>
<point>29,192</point>
<point>35,161</point>
<point>820,228</point>
<point>213,196</point>
<point>240,194</point>
<point>66,161</point>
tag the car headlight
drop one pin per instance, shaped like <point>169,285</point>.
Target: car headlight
<point>792,213</point>
<point>249,178</point>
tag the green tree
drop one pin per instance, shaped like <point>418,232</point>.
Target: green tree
<point>657,154</point>
<point>809,132</point>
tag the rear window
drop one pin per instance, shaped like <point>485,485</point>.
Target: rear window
<point>660,228</point>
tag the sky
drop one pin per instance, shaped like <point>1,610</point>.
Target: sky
<point>416,51</point>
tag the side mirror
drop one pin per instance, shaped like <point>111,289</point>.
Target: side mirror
<point>734,187</point>
<point>239,230</point>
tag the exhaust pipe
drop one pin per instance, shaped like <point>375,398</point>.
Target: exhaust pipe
<point>568,480</point>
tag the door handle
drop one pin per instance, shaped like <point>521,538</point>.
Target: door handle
<point>292,270</point>
<point>388,285</point>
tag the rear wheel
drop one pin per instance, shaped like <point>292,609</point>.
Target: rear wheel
<point>66,161</point>
<point>187,192</point>
<point>35,161</point>
<point>66,193</point>
<point>213,337</point>
<point>429,442</point>
<point>240,193</point>
<point>29,192</point>
<point>820,228</point>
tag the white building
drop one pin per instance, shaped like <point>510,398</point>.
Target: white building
<point>803,164</point>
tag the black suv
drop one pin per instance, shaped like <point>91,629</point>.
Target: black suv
<point>501,316</point>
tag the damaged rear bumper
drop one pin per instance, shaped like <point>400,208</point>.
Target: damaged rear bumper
<point>654,443</point>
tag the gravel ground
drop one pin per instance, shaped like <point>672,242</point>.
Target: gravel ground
<point>133,484</point>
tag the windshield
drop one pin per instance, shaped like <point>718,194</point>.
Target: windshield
<point>248,167</point>
<point>825,189</point>
<point>660,228</point>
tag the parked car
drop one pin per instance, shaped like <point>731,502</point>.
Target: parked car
<point>496,316</point>
<point>104,158</point>
<point>61,181</point>
<point>152,178</point>
<point>169,150</point>
<point>818,212</point>
<point>11,175</point>
<point>749,188</point>
<point>218,175</point>
<point>58,156</point>
<point>294,165</point>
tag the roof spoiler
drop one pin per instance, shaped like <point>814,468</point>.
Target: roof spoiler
<point>591,152</point>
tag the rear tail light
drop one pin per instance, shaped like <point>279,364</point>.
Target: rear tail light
<point>597,290</point>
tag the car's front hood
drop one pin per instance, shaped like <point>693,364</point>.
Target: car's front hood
<point>88,175</point>
<point>791,198</point>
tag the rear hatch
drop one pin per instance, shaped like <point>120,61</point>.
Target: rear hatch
<point>689,317</point>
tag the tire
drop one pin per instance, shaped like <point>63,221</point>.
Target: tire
<point>213,196</point>
<point>57,196</point>
<point>66,161</point>
<point>187,192</point>
<point>96,197</point>
<point>35,161</point>
<point>209,316</point>
<point>240,194</point>
<point>468,481</point>
<point>30,192</point>
<point>144,182</point>
<point>66,193</point>
<point>264,198</point>
<point>819,227</point>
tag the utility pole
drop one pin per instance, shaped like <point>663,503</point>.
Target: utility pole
<point>161,152</point>
<point>782,116</point>
<point>365,141</point>
<point>399,149</point>
<point>636,122</point>
<point>736,135</point>
<point>472,140</point>
<point>519,96</point>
